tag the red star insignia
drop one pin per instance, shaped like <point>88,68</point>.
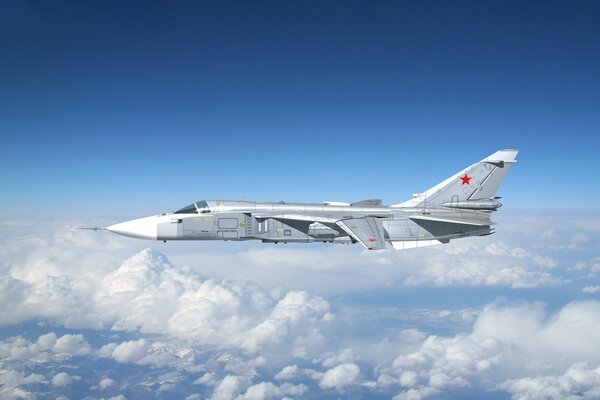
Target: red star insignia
<point>371,240</point>
<point>466,180</point>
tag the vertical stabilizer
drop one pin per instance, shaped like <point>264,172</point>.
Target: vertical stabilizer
<point>479,181</point>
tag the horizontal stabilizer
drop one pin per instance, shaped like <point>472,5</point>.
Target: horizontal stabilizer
<point>367,231</point>
<point>469,220</point>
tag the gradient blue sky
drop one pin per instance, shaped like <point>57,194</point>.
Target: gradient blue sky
<point>111,110</point>
<point>107,107</point>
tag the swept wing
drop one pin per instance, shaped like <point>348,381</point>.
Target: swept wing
<point>367,231</point>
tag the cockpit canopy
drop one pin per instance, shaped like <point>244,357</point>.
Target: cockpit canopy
<point>199,207</point>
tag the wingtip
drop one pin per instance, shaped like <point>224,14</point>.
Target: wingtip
<point>506,155</point>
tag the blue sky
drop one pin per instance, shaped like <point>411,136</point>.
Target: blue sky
<point>115,110</point>
<point>118,106</point>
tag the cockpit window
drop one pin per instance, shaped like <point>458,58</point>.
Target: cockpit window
<point>202,207</point>
<point>191,209</point>
<point>195,208</point>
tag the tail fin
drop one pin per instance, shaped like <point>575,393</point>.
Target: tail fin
<point>479,181</point>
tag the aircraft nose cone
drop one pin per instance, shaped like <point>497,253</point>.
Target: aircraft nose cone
<point>141,228</point>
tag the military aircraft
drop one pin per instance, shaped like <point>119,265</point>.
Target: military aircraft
<point>458,207</point>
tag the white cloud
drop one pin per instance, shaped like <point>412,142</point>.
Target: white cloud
<point>229,335</point>
<point>47,341</point>
<point>13,299</point>
<point>148,294</point>
<point>48,347</point>
<point>106,383</point>
<point>592,266</point>
<point>163,299</point>
<point>413,334</point>
<point>268,390</point>
<point>340,377</point>
<point>71,345</point>
<point>579,238</point>
<point>69,279</point>
<point>502,249</point>
<point>208,379</point>
<point>575,243</point>
<point>287,373</point>
<point>296,309</point>
<point>331,359</point>
<point>494,264</point>
<point>591,289</point>
<point>64,379</point>
<point>417,394</point>
<point>560,339</point>
<point>480,272</point>
<point>228,388</point>
<point>580,266</point>
<point>549,234</point>
<point>443,363</point>
<point>578,382</point>
<point>129,351</point>
<point>544,261</point>
<point>11,382</point>
<point>506,341</point>
<point>408,379</point>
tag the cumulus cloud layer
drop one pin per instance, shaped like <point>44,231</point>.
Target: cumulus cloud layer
<point>146,293</point>
<point>468,263</point>
<point>506,341</point>
<point>578,382</point>
<point>518,348</point>
<point>167,300</point>
<point>247,324</point>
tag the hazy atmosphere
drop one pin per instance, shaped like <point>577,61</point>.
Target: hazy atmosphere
<point>111,111</point>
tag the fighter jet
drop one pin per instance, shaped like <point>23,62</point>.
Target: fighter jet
<point>456,208</point>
